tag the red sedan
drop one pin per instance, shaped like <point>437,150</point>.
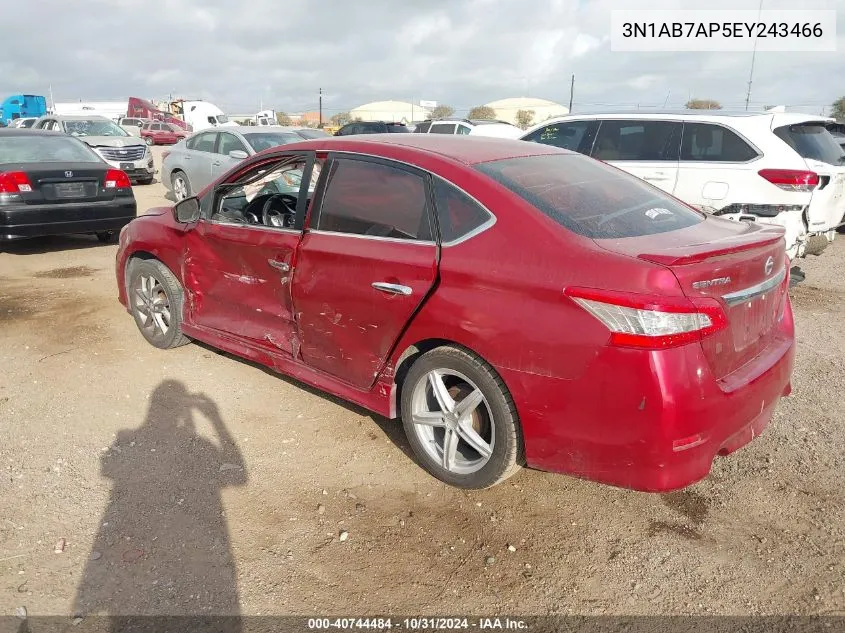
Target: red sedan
<point>513,303</point>
<point>160,133</point>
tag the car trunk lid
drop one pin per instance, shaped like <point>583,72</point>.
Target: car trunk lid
<point>742,266</point>
<point>56,183</point>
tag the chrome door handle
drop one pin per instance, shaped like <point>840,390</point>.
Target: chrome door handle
<point>393,289</point>
<point>279,265</point>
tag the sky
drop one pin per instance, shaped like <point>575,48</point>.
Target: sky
<point>279,53</point>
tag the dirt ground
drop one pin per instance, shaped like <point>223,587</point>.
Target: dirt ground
<point>142,481</point>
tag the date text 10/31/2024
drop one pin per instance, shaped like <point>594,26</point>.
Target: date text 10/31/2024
<point>417,624</point>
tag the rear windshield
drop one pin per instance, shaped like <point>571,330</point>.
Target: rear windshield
<point>813,141</point>
<point>397,128</point>
<point>44,149</point>
<point>265,140</point>
<point>589,197</point>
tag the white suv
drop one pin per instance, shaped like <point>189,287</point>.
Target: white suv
<point>777,168</point>
<point>474,127</point>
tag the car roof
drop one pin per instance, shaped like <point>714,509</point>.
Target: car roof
<point>76,117</point>
<point>469,150</point>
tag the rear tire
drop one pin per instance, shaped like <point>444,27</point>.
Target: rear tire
<point>107,237</point>
<point>155,299</point>
<point>149,140</point>
<point>181,185</point>
<point>477,442</point>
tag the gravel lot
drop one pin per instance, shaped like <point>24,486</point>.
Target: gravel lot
<point>187,481</point>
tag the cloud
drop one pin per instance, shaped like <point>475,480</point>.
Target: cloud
<point>460,52</point>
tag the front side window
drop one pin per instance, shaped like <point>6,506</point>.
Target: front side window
<point>229,143</point>
<point>203,142</point>
<point>423,127</point>
<point>576,136</point>
<point>266,195</point>
<point>638,140</point>
<point>463,129</point>
<point>707,142</point>
<point>590,198</point>
<point>368,198</point>
<point>265,140</point>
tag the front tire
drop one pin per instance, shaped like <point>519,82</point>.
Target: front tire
<point>460,419</point>
<point>107,237</point>
<point>155,299</point>
<point>149,140</point>
<point>181,185</point>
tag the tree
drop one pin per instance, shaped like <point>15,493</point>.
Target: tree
<point>442,111</point>
<point>838,111</point>
<point>283,119</point>
<point>524,118</point>
<point>482,112</point>
<point>341,118</point>
<point>703,104</point>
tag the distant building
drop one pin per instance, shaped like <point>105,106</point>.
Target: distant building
<point>543,109</point>
<point>307,118</point>
<point>390,111</point>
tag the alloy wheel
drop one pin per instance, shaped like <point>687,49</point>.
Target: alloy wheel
<point>452,420</point>
<point>152,306</point>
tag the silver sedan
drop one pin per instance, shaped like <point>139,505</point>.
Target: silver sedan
<point>194,162</point>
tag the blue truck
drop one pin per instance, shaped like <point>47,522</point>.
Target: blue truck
<point>21,107</point>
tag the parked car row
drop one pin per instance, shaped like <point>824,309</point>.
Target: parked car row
<point>111,142</point>
<point>773,168</point>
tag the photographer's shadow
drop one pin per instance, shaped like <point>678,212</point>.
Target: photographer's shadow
<point>162,545</point>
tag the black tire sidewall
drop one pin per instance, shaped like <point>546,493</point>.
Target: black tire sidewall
<point>174,298</point>
<point>504,427</point>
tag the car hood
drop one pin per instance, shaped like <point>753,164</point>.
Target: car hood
<point>111,141</point>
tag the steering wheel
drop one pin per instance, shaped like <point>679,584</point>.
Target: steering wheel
<point>272,216</point>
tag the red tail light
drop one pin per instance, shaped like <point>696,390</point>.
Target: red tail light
<point>116,179</point>
<point>15,182</point>
<point>791,179</point>
<point>651,322</point>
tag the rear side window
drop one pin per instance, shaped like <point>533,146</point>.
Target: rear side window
<point>442,128</point>
<point>45,149</point>
<point>202,142</point>
<point>367,198</point>
<point>457,213</point>
<point>714,143</point>
<point>572,135</point>
<point>589,198</point>
<point>638,140</point>
<point>813,141</point>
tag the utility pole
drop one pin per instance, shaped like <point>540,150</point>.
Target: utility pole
<point>753,56</point>
<point>321,107</point>
<point>571,91</point>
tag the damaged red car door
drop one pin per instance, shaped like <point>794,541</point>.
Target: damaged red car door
<point>367,261</point>
<point>240,254</point>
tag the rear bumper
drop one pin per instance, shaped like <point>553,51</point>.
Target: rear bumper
<point>650,421</point>
<point>20,221</point>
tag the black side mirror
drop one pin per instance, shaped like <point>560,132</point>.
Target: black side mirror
<point>187,211</point>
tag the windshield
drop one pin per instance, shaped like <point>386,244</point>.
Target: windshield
<point>222,118</point>
<point>813,141</point>
<point>92,127</point>
<point>265,140</point>
<point>397,128</point>
<point>45,149</point>
<point>589,197</point>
